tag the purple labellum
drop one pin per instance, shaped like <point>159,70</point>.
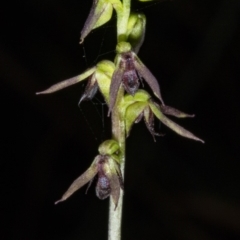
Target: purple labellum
<point>103,189</point>
<point>90,91</point>
<point>130,78</point>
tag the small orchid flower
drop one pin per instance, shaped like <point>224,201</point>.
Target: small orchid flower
<point>142,106</point>
<point>99,78</point>
<point>106,167</point>
<point>129,69</point>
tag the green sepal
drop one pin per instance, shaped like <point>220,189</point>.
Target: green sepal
<point>112,171</point>
<point>140,96</point>
<point>145,73</point>
<point>169,123</point>
<point>132,113</point>
<point>87,176</point>
<point>115,83</point>
<point>116,158</point>
<point>123,47</point>
<point>108,147</point>
<point>100,13</point>
<point>69,82</point>
<point>105,16</point>
<point>174,112</point>
<point>103,75</point>
<point>136,30</point>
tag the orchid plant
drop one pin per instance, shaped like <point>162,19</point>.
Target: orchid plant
<point>119,82</point>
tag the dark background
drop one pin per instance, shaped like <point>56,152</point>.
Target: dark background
<point>174,188</point>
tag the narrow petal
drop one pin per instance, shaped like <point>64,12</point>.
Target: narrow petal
<point>90,90</point>
<point>149,121</point>
<point>144,72</point>
<point>174,112</point>
<point>68,82</point>
<point>115,84</point>
<point>115,189</point>
<point>80,181</point>
<point>111,172</point>
<point>103,75</point>
<point>169,123</point>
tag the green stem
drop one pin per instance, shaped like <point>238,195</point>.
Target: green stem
<point>118,129</point>
<point>118,132</point>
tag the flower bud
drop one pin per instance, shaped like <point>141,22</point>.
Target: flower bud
<point>136,30</point>
<point>108,147</point>
<point>109,181</point>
